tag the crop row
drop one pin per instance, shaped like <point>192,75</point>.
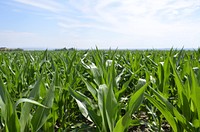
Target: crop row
<point>100,90</point>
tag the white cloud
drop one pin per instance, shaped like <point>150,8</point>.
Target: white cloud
<point>135,20</point>
<point>116,14</point>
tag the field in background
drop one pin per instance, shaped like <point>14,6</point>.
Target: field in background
<point>100,90</point>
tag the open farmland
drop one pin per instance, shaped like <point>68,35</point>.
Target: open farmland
<point>100,90</point>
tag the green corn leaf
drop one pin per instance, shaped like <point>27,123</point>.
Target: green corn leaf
<point>86,107</point>
<point>195,93</point>
<point>124,87</point>
<point>96,74</point>
<point>102,95</point>
<point>26,100</point>
<point>111,78</point>
<point>70,64</point>
<point>166,76</point>
<point>8,112</point>
<point>174,112</point>
<point>2,91</point>
<point>13,124</point>
<point>160,73</point>
<point>111,108</point>
<point>41,114</point>
<point>90,88</point>
<point>34,94</point>
<point>135,101</point>
<point>179,83</point>
<point>169,117</point>
<point>83,109</point>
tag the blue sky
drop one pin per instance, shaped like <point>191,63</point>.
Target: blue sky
<point>85,24</point>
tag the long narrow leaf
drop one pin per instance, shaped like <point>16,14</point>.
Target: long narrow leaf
<point>41,114</point>
<point>34,94</point>
<point>135,101</point>
<point>86,106</point>
<point>169,117</point>
<point>26,100</point>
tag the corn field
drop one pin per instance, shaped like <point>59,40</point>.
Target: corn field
<point>100,90</point>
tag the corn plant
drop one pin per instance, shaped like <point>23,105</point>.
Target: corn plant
<point>184,116</point>
<point>105,93</point>
<point>10,109</point>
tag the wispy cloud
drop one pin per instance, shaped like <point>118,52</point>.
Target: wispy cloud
<point>118,12</point>
<point>49,5</point>
<point>5,33</point>
<point>128,17</point>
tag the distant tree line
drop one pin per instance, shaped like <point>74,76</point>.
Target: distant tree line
<point>10,49</point>
<point>63,49</point>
